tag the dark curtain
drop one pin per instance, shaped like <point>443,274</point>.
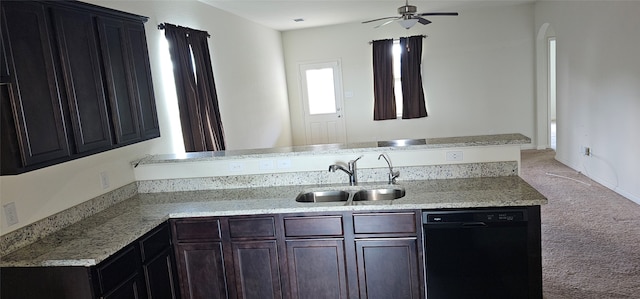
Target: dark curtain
<point>197,99</point>
<point>384,103</point>
<point>413,105</point>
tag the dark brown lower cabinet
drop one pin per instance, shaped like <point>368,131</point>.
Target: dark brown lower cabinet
<point>257,269</point>
<point>131,288</point>
<point>388,268</point>
<point>143,269</point>
<point>305,255</point>
<point>389,255</point>
<point>317,268</point>
<point>201,270</point>
<point>119,276</point>
<point>160,276</point>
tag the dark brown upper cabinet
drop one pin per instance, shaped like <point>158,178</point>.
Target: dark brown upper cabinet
<point>115,44</point>
<point>82,74</point>
<point>75,81</point>
<point>33,93</point>
<point>141,77</point>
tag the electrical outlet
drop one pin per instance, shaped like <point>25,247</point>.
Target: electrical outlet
<point>284,163</point>
<point>267,164</point>
<point>104,180</point>
<point>10,213</point>
<point>236,166</point>
<point>454,156</point>
<point>585,150</point>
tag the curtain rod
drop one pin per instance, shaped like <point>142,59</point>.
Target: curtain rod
<point>161,26</point>
<point>423,36</point>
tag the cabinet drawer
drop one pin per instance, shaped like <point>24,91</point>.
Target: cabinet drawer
<point>384,223</point>
<point>197,229</point>
<point>313,226</point>
<point>253,227</point>
<point>155,242</point>
<point>118,268</point>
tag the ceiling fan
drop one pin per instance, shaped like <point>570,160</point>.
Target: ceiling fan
<point>409,16</point>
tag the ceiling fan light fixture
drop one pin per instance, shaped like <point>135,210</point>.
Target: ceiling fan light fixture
<point>409,16</point>
<point>407,23</point>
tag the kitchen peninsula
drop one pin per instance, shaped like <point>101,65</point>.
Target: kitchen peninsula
<point>259,189</point>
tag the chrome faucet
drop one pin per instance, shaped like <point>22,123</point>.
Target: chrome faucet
<point>393,175</point>
<point>352,171</point>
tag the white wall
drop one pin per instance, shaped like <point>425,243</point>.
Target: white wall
<point>598,88</point>
<point>248,65</point>
<point>478,73</point>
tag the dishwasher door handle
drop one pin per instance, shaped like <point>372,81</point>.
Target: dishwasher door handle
<point>474,224</point>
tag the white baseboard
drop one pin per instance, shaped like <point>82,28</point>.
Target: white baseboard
<point>616,189</point>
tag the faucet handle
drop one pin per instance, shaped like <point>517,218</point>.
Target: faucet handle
<point>393,176</point>
<point>353,162</point>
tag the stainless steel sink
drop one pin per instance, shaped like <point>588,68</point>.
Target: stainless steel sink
<point>379,194</point>
<point>323,196</point>
<point>401,142</point>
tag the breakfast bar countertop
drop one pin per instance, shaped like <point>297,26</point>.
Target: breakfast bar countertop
<point>356,147</point>
<point>90,241</point>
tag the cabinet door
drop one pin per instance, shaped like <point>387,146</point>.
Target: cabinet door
<point>202,271</point>
<point>257,269</point>
<point>116,269</point>
<point>77,41</point>
<point>158,263</point>
<point>36,102</point>
<point>115,45</point>
<point>159,276</point>
<point>4,67</point>
<point>143,86</point>
<point>130,289</point>
<point>388,268</point>
<point>317,268</point>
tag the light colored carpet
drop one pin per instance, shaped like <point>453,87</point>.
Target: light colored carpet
<point>590,234</point>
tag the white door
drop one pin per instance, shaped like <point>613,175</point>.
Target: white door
<point>322,100</point>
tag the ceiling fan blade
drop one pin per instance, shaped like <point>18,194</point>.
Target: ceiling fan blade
<point>385,23</point>
<point>438,14</point>
<point>423,21</point>
<point>380,19</point>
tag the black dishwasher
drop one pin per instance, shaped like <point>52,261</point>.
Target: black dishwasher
<point>476,254</point>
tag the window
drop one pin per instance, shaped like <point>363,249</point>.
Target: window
<point>404,86</point>
<point>397,77</point>
<point>320,91</point>
<point>195,88</point>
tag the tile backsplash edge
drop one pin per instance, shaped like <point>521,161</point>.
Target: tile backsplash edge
<point>42,228</point>
<point>365,175</point>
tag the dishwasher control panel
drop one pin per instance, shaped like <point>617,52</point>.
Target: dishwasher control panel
<point>474,216</point>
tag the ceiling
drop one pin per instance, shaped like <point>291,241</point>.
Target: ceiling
<point>280,15</point>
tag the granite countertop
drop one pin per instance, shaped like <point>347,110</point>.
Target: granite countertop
<point>391,145</point>
<point>90,241</point>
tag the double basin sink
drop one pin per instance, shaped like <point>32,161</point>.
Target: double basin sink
<point>369,194</point>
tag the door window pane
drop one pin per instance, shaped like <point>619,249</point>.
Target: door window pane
<point>321,91</point>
